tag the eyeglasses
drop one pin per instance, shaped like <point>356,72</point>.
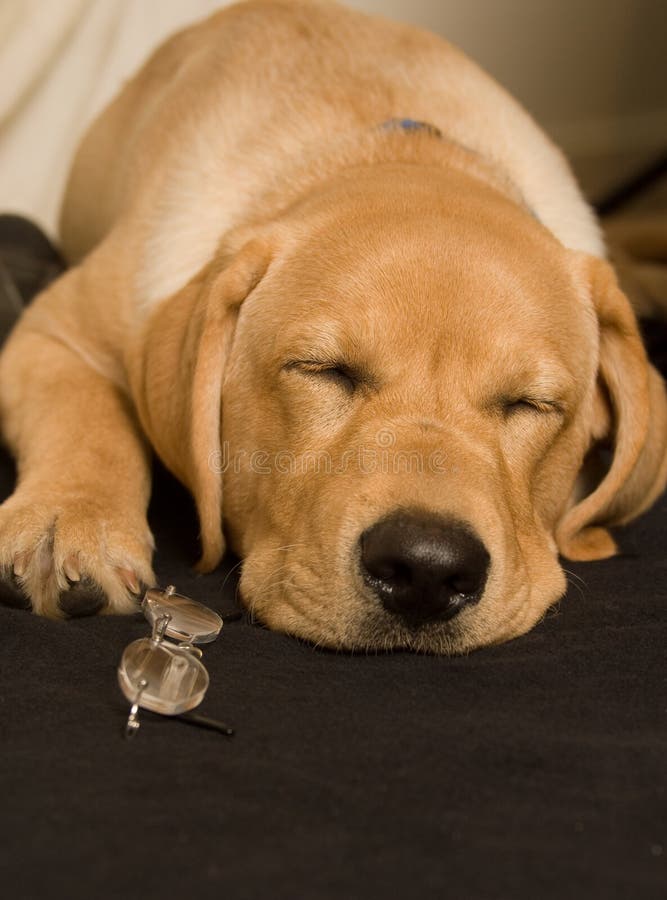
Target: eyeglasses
<point>166,676</point>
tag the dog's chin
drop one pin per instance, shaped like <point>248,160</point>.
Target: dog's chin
<point>367,629</point>
<point>361,626</point>
<point>385,632</point>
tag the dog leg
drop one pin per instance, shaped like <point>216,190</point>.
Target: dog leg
<point>74,537</point>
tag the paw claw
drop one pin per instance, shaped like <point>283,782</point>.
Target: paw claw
<point>130,580</point>
<point>21,561</point>
<point>71,569</point>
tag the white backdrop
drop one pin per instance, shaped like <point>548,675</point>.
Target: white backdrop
<point>594,72</point>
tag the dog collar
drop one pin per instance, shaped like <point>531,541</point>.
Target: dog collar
<point>410,125</point>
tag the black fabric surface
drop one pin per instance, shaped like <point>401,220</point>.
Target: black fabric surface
<point>533,769</point>
<point>28,262</point>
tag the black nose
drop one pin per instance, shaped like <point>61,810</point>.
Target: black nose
<point>423,567</point>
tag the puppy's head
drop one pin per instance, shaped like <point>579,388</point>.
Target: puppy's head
<point>416,381</point>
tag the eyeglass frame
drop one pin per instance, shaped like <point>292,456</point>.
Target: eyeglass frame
<point>180,641</point>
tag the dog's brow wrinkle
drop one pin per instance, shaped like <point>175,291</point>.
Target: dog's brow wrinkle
<point>414,422</point>
<point>428,424</point>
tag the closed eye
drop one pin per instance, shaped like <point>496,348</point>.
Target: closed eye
<point>512,406</point>
<point>337,374</point>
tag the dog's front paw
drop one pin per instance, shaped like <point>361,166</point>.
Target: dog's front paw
<point>70,555</point>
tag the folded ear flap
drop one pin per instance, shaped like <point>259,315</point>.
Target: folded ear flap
<point>179,391</point>
<point>635,422</point>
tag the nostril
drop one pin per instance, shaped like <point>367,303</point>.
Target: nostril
<point>423,567</point>
<point>391,572</point>
<point>464,583</point>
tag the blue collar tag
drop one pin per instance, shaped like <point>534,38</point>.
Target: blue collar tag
<point>410,125</point>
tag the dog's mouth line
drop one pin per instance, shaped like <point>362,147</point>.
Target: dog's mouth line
<point>290,599</point>
<point>363,624</point>
<point>372,630</point>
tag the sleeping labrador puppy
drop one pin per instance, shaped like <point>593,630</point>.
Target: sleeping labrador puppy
<point>350,294</point>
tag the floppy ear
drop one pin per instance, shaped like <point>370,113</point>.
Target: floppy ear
<point>631,412</point>
<point>181,364</point>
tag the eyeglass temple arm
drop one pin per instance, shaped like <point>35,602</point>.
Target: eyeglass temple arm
<point>193,718</point>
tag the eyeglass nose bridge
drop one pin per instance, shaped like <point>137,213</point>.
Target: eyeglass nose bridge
<point>187,647</point>
<point>160,625</point>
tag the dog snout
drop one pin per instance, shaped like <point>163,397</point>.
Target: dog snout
<point>423,567</point>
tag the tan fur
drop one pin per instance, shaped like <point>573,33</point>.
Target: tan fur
<point>240,220</point>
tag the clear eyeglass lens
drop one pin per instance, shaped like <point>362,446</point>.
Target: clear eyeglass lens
<point>175,681</point>
<point>190,621</point>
